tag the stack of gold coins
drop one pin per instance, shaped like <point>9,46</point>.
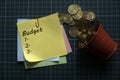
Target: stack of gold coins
<point>82,23</point>
<point>75,11</point>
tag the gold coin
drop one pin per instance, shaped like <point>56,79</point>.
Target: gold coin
<point>79,33</point>
<point>67,18</point>
<point>78,16</point>
<point>89,32</point>
<point>83,36</point>
<point>73,9</point>
<point>72,23</point>
<point>73,31</point>
<point>90,16</point>
<point>84,30</point>
<point>82,44</point>
<point>61,16</point>
<point>84,14</point>
<point>93,32</point>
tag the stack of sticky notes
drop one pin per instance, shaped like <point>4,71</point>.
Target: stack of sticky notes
<point>42,42</point>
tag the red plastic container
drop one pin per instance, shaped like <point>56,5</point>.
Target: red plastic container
<point>101,44</point>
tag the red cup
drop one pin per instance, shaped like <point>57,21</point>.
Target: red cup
<point>101,44</point>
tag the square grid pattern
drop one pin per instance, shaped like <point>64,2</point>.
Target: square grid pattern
<point>80,66</point>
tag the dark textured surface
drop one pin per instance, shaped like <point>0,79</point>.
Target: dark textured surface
<point>80,66</point>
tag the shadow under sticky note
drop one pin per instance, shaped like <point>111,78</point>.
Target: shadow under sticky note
<point>44,63</point>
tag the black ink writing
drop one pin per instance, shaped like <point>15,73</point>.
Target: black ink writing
<point>28,51</point>
<point>26,39</point>
<point>32,31</point>
<point>27,45</point>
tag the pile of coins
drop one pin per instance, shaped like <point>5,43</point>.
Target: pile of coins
<point>82,23</point>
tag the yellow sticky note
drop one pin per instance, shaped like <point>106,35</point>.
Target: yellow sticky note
<point>42,38</point>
